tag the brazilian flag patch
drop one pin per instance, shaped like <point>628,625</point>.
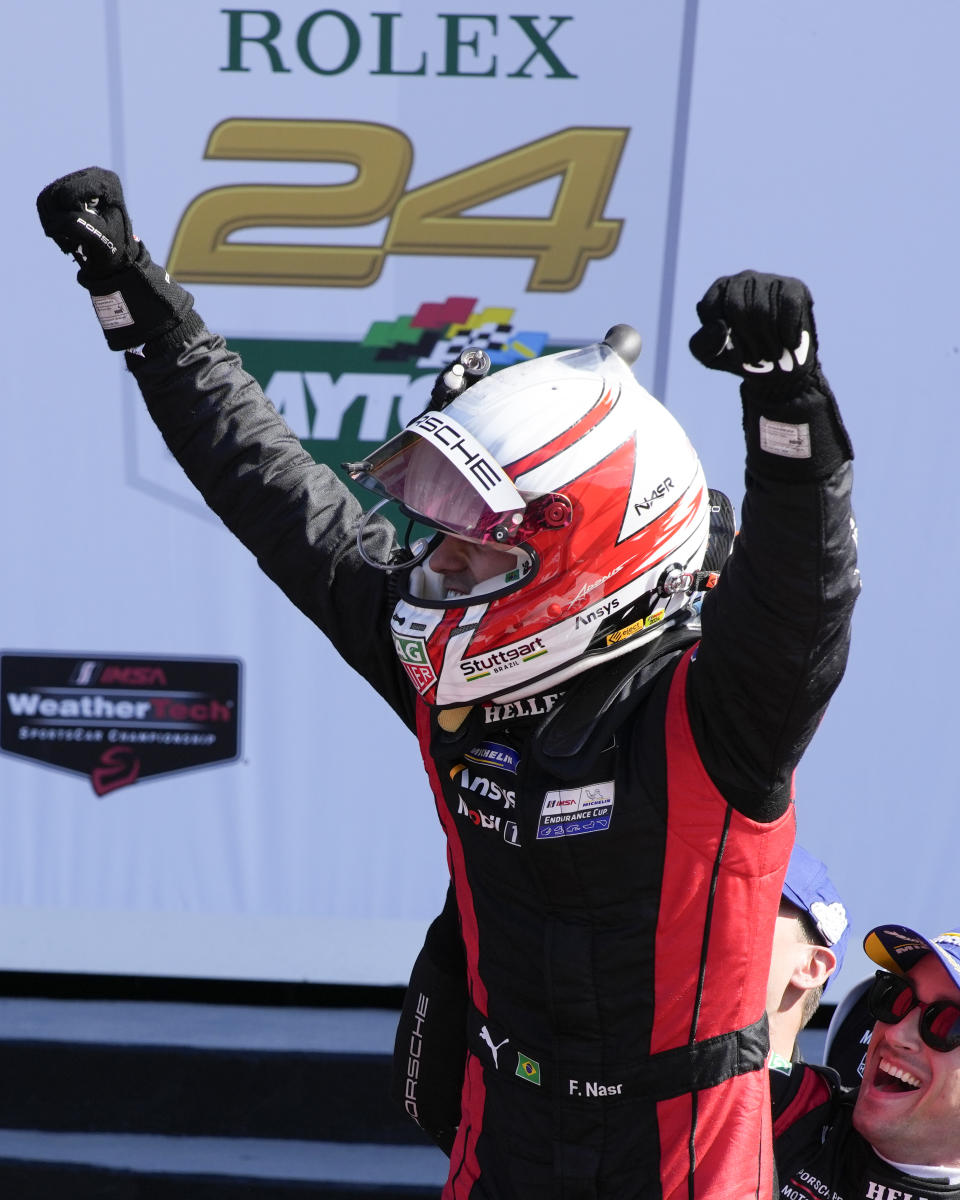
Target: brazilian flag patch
<point>528,1068</point>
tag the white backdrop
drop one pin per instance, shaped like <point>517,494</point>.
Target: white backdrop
<point>816,141</point>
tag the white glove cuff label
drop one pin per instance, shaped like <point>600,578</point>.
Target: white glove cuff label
<point>111,310</point>
<point>789,441</point>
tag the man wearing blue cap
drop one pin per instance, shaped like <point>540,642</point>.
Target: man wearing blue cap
<point>808,947</point>
<point>898,1136</point>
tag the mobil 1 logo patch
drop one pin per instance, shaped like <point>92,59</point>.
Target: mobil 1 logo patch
<point>119,718</point>
<point>576,810</point>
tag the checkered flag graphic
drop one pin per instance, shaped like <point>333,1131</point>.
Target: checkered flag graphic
<point>490,337</point>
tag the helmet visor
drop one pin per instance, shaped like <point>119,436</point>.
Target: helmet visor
<point>439,473</point>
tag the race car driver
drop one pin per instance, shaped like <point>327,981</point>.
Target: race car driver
<point>618,868</point>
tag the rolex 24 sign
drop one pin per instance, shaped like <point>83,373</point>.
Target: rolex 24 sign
<point>428,220</point>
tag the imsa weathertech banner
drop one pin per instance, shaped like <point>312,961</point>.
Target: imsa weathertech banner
<point>117,720</point>
<point>353,197</point>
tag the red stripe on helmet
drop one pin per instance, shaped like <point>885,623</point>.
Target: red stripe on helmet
<point>590,419</point>
<point>659,532</point>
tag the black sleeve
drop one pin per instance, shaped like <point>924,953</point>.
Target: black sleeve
<point>431,1042</point>
<point>776,629</point>
<point>293,514</point>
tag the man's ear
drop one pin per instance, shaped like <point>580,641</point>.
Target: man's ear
<point>814,969</point>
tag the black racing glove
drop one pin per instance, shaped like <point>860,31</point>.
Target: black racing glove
<point>754,324</point>
<point>135,300</point>
<point>760,327</point>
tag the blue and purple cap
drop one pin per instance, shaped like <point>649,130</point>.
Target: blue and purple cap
<point>896,948</point>
<point>810,888</point>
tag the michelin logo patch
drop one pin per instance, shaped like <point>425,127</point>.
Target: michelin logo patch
<point>576,810</point>
<point>493,754</point>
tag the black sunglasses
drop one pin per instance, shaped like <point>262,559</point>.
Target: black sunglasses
<point>891,997</point>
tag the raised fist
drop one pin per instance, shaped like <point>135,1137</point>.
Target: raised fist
<point>135,300</point>
<point>755,324</point>
<point>85,215</point>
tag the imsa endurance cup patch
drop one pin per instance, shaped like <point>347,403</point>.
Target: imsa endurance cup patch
<point>117,719</point>
<point>571,811</point>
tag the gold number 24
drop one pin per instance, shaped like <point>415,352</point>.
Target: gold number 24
<point>426,220</point>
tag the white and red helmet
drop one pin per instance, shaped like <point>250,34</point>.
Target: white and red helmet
<point>567,462</point>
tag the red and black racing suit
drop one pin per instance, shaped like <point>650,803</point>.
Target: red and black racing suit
<point>618,866</point>
<point>820,1154</point>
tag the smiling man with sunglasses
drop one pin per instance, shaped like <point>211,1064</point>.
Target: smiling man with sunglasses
<point>898,1136</point>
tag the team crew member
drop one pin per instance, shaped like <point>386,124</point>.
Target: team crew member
<point>614,782</point>
<point>898,1135</point>
<point>809,943</point>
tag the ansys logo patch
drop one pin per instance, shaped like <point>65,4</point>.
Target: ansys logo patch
<point>118,719</point>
